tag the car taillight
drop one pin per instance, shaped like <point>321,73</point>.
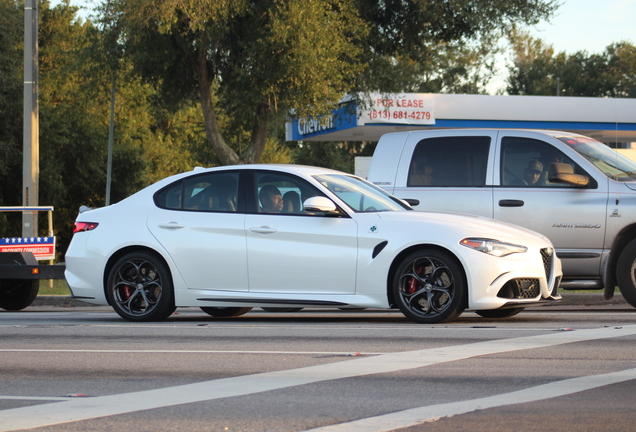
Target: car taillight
<point>84,226</point>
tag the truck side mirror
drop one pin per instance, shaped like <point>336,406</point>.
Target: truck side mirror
<point>564,173</point>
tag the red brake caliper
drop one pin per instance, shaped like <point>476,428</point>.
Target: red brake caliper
<point>412,284</point>
<point>127,292</point>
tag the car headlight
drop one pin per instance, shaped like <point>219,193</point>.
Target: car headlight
<point>493,247</point>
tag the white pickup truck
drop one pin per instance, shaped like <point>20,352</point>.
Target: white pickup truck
<point>576,191</point>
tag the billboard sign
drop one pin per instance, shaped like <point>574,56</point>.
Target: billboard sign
<point>403,109</point>
<point>345,117</point>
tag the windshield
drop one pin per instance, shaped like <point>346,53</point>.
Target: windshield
<point>611,163</point>
<point>358,194</point>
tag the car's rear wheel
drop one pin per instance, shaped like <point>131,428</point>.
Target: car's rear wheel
<point>225,312</point>
<point>499,313</point>
<point>16,294</point>
<point>140,287</point>
<point>429,287</point>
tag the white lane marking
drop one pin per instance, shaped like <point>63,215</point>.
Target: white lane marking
<point>119,351</point>
<point>415,416</point>
<point>88,408</point>
<point>35,398</point>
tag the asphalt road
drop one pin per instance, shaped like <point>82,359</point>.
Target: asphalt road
<point>71,367</point>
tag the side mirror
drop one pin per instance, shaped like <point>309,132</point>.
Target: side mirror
<point>411,201</point>
<point>564,173</point>
<point>319,204</point>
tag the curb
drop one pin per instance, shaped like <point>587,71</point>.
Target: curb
<point>59,300</point>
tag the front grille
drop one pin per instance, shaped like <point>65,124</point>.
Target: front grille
<point>547,256</point>
<point>528,288</point>
<point>520,289</point>
<point>555,288</point>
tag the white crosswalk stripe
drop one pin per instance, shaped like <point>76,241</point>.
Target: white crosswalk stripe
<point>77,409</point>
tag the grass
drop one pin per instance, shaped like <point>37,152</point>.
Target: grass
<point>54,287</point>
<point>564,291</point>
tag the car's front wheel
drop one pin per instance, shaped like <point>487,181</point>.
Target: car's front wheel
<point>225,312</point>
<point>140,287</point>
<point>429,287</point>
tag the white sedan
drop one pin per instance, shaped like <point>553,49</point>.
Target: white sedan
<point>229,239</point>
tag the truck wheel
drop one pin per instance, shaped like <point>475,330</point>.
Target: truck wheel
<point>16,294</point>
<point>626,273</point>
<point>140,288</point>
<point>429,287</point>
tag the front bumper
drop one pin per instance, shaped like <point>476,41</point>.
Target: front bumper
<point>523,280</point>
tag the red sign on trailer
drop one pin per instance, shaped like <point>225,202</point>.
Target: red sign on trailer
<point>43,248</point>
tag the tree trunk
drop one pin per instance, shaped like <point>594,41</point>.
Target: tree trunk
<point>226,155</point>
<point>259,135</point>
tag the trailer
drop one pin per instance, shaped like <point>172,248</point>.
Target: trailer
<point>20,272</point>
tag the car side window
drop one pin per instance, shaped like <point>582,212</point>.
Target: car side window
<point>170,197</point>
<point>525,163</point>
<point>450,161</point>
<point>216,192</point>
<point>281,194</point>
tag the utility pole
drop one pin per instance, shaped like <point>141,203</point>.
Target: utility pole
<point>111,134</point>
<point>31,137</point>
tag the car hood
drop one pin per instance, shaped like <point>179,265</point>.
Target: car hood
<point>477,225</point>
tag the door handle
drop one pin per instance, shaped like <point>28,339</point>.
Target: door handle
<point>511,203</point>
<point>263,230</point>
<point>171,225</point>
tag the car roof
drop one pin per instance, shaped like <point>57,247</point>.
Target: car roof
<point>288,168</point>
<point>284,168</point>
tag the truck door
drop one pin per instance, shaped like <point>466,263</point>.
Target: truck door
<point>572,218</point>
<point>448,172</point>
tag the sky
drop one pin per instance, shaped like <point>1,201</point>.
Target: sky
<point>578,25</point>
<point>589,25</point>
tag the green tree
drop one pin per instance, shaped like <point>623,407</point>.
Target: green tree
<point>11,93</point>
<point>439,45</point>
<point>451,67</point>
<point>253,61</point>
<point>534,70</point>
<point>334,155</point>
<point>537,70</point>
<point>621,64</point>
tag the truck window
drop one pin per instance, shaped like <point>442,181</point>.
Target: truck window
<point>525,163</point>
<point>611,163</point>
<point>450,161</point>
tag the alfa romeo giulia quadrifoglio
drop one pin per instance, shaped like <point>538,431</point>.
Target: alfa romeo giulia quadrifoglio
<point>232,238</point>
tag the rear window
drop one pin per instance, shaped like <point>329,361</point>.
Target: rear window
<point>208,192</point>
<point>450,161</point>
